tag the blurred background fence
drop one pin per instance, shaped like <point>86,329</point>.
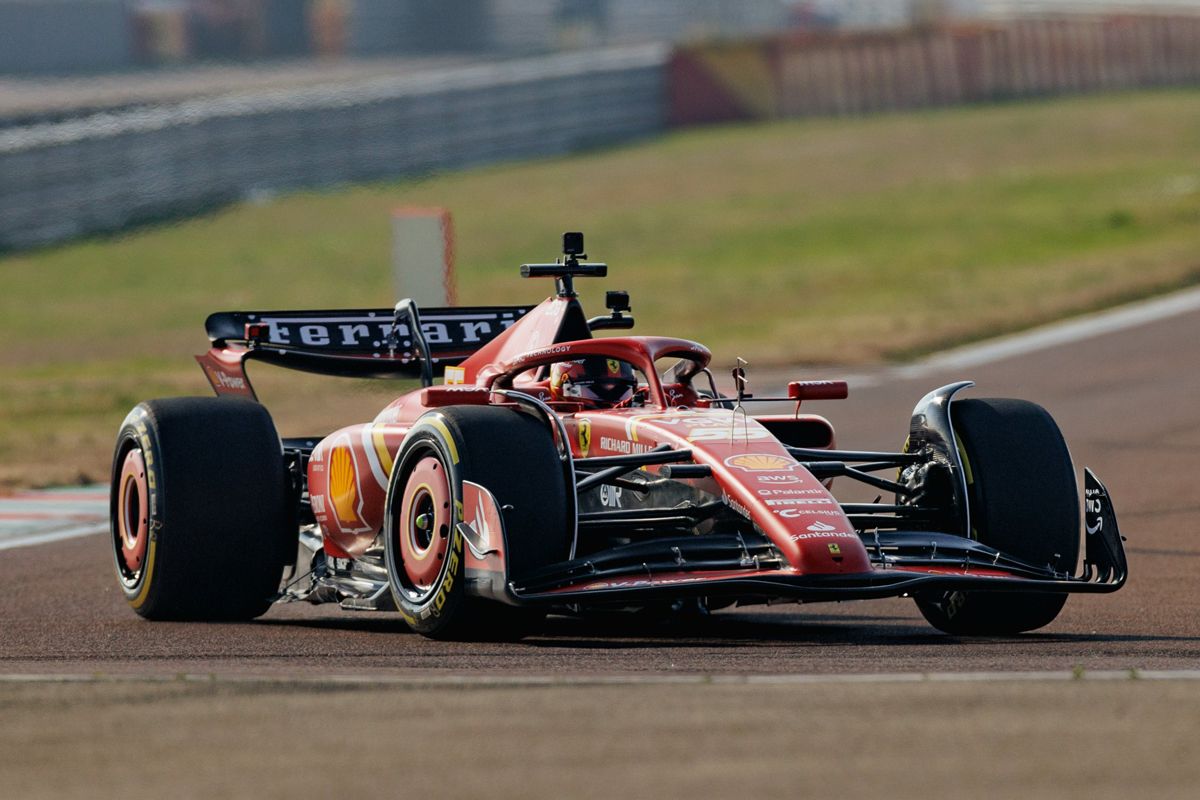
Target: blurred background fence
<point>71,36</point>
<point>105,171</point>
<point>57,36</point>
<point>844,73</point>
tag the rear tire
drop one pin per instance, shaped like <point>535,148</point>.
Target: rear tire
<point>513,455</point>
<point>200,511</point>
<point>1024,502</point>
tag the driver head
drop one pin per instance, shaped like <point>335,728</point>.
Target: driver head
<point>594,381</point>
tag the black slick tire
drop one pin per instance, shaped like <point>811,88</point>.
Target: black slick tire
<point>201,516</point>
<point>1024,501</point>
<point>513,455</point>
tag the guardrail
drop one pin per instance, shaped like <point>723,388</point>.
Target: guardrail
<point>107,171</point>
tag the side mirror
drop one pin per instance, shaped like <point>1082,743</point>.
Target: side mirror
<point>818,390</point>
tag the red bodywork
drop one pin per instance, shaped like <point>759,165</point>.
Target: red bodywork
<point>349,470</point>
<point>752,470</point>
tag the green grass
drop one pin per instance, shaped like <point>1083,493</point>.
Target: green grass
<point>831,241</point>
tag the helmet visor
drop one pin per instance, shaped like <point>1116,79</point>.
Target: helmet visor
<point>601,380</point>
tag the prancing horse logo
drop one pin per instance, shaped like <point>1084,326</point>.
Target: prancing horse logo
<point>585,436</point>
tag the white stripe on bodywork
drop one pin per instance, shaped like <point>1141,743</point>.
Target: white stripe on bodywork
<point>368,444</point>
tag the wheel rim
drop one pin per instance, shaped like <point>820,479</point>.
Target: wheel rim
<point>423,526</point>
<point>132,517</point>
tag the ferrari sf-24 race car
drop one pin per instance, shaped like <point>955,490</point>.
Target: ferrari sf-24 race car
<point>554,471</point>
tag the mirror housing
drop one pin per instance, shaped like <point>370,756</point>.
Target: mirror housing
<point>818,390</point>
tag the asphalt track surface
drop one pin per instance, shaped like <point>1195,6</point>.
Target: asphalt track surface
<point>1128,405</point>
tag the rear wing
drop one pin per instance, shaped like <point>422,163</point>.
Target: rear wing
<point>370,343</point>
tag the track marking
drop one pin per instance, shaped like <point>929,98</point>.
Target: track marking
<point>59,495</point>
<point>1054,334</point>
<point>32,518</point>
<point>537,681</point>
<point>53,536</point>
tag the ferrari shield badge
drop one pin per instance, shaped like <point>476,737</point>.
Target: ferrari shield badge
<point>585,436</point>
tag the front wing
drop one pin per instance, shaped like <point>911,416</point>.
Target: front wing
<point>904,562</point>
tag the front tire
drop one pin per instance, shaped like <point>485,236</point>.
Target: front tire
<point>199,509</point>
<point>513,455</point>
<point>1023,501</point>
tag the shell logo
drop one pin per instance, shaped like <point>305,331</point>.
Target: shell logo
<point>761,462</point>
<point>343,488</point>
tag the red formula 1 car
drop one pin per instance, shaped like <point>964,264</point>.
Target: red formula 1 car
<point>555,471</point>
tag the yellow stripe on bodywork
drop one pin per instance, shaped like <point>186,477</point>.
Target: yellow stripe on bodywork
<point>381,450</point>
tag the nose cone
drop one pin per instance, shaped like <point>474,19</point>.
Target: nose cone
<point>794,510</point>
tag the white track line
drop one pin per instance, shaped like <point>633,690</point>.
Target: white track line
<point>54,536</point>
<point>1055,334</point>
<point>535,681</point>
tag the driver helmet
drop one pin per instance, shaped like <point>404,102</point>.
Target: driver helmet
<point>595,381</point>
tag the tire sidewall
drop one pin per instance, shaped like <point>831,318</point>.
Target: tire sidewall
<point>217,509</point>
<point>137,432</point>
<point>1002,613</point>
<point>436,608</point>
